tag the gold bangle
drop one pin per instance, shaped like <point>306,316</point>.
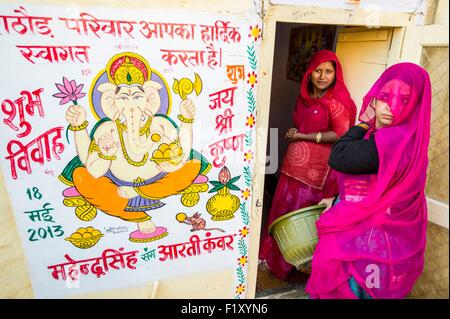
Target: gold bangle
<point>185,119</point>
<point>108,158</point>
<point>79,127</point>
<point>318,137</point>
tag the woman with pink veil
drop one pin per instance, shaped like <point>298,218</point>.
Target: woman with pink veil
<point>372,242</point>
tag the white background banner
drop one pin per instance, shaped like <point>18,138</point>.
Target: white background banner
<point>78,236</point>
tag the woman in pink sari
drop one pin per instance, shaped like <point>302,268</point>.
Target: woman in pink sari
<point>324,111</point>
<point>372,242</point>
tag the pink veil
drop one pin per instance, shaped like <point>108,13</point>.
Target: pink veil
<point>377,232</point>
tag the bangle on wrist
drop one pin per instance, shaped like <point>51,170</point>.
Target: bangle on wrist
<point>185,119</point>
<point>105,157</point>
<point>318,137</point>
<point>79,127</point>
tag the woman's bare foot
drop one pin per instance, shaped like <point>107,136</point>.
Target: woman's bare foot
<point>146,227</point>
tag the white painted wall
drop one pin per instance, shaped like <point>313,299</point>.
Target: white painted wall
<point>13,273</point>
<point>14,277</point>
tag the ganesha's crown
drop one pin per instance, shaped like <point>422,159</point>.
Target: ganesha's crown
<point>128,69</point>
<point>128,74</point>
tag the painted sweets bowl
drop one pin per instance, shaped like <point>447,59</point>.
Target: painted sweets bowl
<point>85,237</point>
<point>296,235</point>
<point>168,153</point>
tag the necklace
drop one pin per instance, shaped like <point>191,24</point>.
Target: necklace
<point>318,96</point>
<point>322,94</point>
<point>122,127</point>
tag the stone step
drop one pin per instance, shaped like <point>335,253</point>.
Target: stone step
<point>293,293</point>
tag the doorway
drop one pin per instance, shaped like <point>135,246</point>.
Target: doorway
<point>363,53</point>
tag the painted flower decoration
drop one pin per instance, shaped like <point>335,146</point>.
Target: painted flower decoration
<point>252,78</point>
<point>250,121</point>
<point>242,260</point>
<point>69,91</point>
<point>245,193</point>
<point>225,180</point>
<point>244,231</point>
<point>248,156</point>
<point>240,289</point>
<point>255,32</point>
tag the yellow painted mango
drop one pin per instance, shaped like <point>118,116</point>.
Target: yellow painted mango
<point>158,154</point>
<point>163,147</point>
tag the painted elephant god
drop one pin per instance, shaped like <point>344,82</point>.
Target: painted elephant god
<point>133,156</point>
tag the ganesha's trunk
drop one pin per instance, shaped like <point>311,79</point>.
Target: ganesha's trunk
<point>137,144</point>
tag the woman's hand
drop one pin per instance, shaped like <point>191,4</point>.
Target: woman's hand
<point>292,135</point>
<point>327,202</point>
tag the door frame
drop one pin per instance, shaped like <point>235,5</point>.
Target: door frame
<point>307,15</point>
<point>416,39</point>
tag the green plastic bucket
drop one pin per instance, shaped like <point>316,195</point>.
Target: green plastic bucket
<point>296,235</point>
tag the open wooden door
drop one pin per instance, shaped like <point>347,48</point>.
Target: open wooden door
<point>363,53</point>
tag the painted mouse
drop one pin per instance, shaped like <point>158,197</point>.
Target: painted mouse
<point>199,223</point>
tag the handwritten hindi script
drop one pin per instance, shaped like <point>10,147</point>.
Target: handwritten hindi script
<point>193,247</point>
<point>93,203</point>
<point>98,266</point>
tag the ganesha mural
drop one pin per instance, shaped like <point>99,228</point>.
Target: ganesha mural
<point>138,166</point>
<point>135,155</point>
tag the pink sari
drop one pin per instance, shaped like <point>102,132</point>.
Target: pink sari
<point>377,232</point>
